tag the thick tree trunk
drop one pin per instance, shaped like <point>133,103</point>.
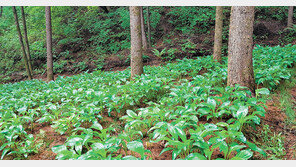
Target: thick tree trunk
<point>148,26</point>
<point>144,39</point>
<point>136,41</point>
<point>21,42</point>
<point>26,40</point>
<point>240,47</point>
<point>50,76</point>
<point>218,34</point>
<point>290,17</point>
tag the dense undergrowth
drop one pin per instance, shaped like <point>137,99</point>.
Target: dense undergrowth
<point>185,105</point>
<point>84,36</point>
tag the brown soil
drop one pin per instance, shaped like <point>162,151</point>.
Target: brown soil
<point>276,119</point>
<point>51,137</point>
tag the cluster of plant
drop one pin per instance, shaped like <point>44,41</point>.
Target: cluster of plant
<point>89,29</point>
<point>272,13</point>
<point>185,105</point>
<point>272,64</point>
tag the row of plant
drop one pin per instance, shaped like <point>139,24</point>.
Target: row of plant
<point>184,105</point>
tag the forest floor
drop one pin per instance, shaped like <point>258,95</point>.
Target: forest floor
<point>275,118</point>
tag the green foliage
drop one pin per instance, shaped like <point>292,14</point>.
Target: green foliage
<point>188,20</point>
<point>165,104</point>
<point>273,63</point>
<point>89,30</point>
<point>287,35</point>
<point>272,12</point>
<point>166,54</point>
<point>274,143</point>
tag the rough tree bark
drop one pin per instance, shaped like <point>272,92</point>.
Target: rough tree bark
<point>240,47</point>
<point>26,40</point>
<point>136,41</point>
<point>50,76</point>
<point>21,42</point>
<point>218,34</point>
<point>290,17</point>
<point>144,39</point>
<point>149,27</point>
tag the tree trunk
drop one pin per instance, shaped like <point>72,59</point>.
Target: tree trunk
<point>21,42</point>
<point>136,41</point>
<point>1,11</point>
<point>26,40</point>
<point>144,40</point>
<point>105,9</point>
<point>240,47</point>
<point>218,34</point>
<point>108,8</point>
<point>290,17</point>
<point>149,27</point>
<point>50,76</point>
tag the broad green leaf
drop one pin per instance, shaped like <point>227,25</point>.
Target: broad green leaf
<point>131,113</point>
<point>129,157</point>
<point>59,148</point>
<point>262,91</point>
<point>97,126</point>
<point>195,156</point>
<point>255,148</point>
<point>242,111</point>
<point>165,150</point>
<point>5,151</point>
<point>136,146</point>
<point>97,146</point>
<point>243,155</point>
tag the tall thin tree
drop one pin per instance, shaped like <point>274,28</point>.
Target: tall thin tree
<point>136,41</point>
<point>240,47</point>
<point>144,39</point>
<point>50,76</point>
<point>26,40</point>
<point>1,11</point>
<point>21,42</point>
<point>218,34</point>
<point>290,17</point>
<point>148,27</point>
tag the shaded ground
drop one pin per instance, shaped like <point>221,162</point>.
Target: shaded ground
<point>276,119</point>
